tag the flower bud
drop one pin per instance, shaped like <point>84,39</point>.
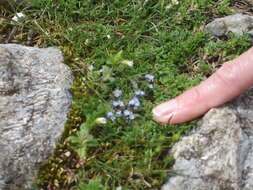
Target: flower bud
<point>101,120</point>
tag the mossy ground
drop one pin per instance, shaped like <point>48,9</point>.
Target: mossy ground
<point>163,39</point>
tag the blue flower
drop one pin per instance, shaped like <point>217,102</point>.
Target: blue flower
<point>127,112</point>
<point>117,93</point>
<point>118,113</point>
<point>118,104</point>
<point>111,116</point>
<point>139,93</point>
<point>129,115</point>
<point>134,102</point>
<point>134,84</point>
<point>149,77</point>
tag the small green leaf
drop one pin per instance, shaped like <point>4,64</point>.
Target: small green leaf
<point>118,57</point>
<point>92,185</point>
<point>107,72</point>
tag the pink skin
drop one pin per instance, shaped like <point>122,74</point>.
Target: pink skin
<point>226,83</point>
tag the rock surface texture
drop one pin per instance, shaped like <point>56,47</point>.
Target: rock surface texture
<point>237,24</point>
<point>8,2</point>
<point>218,155</point>
<point>34,101</point>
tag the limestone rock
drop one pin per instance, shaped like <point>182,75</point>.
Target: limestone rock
<point>34,101</point>
<point>237,24</point>
<point>218,155</point>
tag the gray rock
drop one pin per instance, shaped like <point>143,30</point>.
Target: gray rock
<point>218,155</point>
<point>34,101</point>
<point>237,24</point>
<point>9,2</point>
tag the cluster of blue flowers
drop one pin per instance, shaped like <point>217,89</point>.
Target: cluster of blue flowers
<point>150,79</point>
<point>126,110</point>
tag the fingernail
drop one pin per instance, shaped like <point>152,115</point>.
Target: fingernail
<point>165,108</point>
<point>169,117</point>
<point>165,118</point>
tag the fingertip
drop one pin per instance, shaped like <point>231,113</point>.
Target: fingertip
<point>167,119</point>
<point>165,112</point>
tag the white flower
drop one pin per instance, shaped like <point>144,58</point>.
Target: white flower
<point>150,86</point>
<point>117,93</point>
<point>174,2</point>
<point>90,67</point>
<point>132,117</point>
<point>119,188</point>
<point>108,36</point>
<point>101,120</point>
<point>128,63</point>
<point>18,17</point>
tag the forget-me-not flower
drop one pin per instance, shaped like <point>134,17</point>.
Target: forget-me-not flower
<point>117,93</point>
<point>129,115</point>
<point>134,102</point>
<point>139,93</point>
<point>111,116</point>
<point>149,77</point>
<point>118,104</point>
<point>134,84</point>
<point>118,113</point>
<point>127,112</point>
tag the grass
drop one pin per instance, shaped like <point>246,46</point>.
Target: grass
<point>162,39</point>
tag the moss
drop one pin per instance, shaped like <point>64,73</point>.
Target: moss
<point>61,169</point>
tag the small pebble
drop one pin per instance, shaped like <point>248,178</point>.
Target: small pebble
<point>67,154</point>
